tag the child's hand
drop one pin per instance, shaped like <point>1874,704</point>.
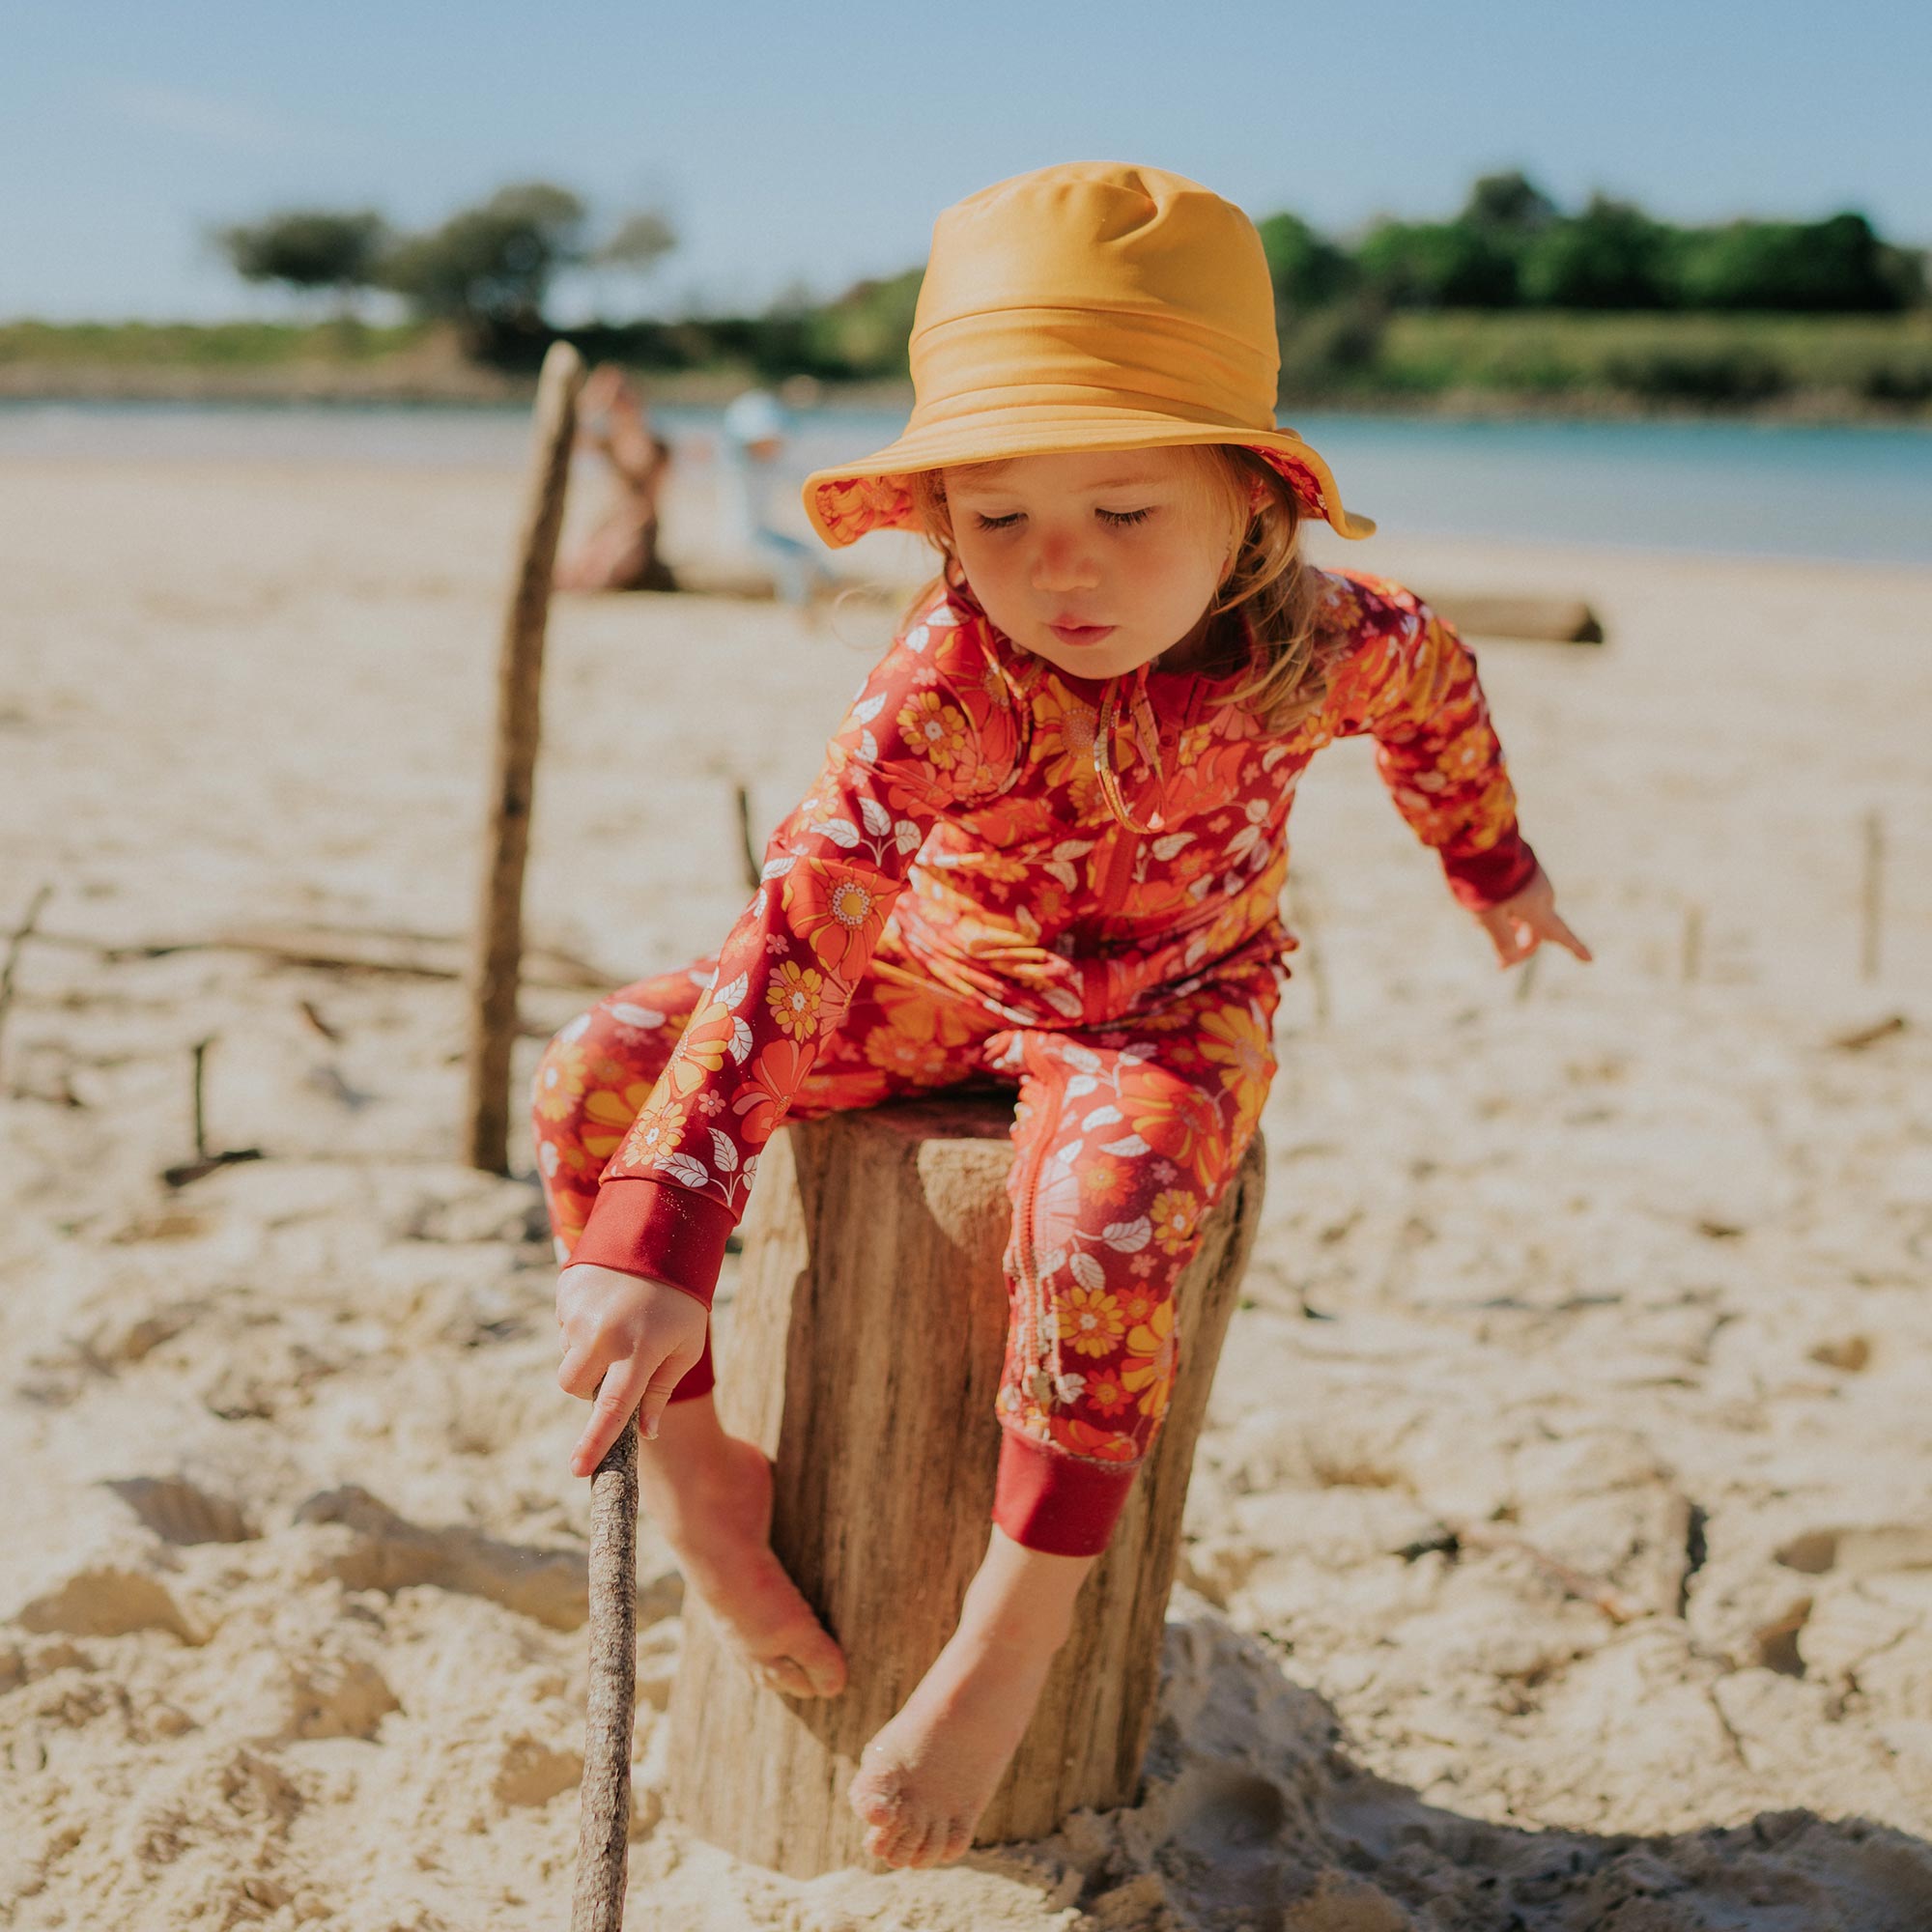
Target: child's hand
<point>1520,923</point>
<point>627,1343</point>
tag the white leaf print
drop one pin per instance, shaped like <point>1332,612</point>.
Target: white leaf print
<point>905,835</point>
<point>1088,1272</point>
<point>1082,1057</point>
<point>1051,1263</point>
<point>915,637</point>
<point>735,992</point>
<point>741,1040</point>
<point>1128,1237</point>
<point>636,1016</point>
<point>1069,1387</point>
<point>878,820</point>
<point>1166,848</point>
<point>681,1167</point>
<point>1101,1116</point>
<point>868,747</point>
<point>750,1172</point>
<point>777,868</point>
<point>1082,1083</point>
<point>1073,848</point>
<point>1133,1144</point>
<point>1063,1001</point>
<point>941,614</point>
<point>863,714</point>
<point>840,830</point>
<point>1064,873</point>
<point>1198,890</point>
<point>577,1026</point>
<point>723,1151</point>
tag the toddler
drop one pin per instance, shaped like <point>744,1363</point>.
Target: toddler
<point>1048,846</point>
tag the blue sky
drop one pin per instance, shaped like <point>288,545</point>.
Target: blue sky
<point>788,154</point>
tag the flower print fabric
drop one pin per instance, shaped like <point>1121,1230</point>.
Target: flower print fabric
<point>955,897</point>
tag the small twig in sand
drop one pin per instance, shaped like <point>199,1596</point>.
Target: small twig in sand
<point>334,1035</point>
<point>754,870</point>
<point>1692,959</point>
<point>1860,1038</point>
<point>204,1162</point>
<point>15,941</point>
<point>1597,1591</point>
<point>1872,899</point>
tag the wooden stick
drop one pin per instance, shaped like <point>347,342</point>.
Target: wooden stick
<point>754,870</point>
<point>201,1047</point>
<point>1872,894</point>
<point>15,941</point>
<point>498,939</point>
<point>604,1824</point>
<point>1527,978</point>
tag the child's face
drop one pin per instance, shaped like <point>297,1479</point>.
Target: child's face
<point>1096,562</point>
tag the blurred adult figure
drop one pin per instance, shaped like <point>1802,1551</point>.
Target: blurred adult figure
<point>756,430</point>
<point>621,553</point>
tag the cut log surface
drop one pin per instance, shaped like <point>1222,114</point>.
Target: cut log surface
<point>863,1351</point>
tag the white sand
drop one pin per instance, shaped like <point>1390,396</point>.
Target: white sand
<point>1566,1475</point>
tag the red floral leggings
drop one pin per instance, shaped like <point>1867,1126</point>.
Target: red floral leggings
<point>1125,1134</point>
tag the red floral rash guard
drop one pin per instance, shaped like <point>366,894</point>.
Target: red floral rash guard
<point>963,796</point>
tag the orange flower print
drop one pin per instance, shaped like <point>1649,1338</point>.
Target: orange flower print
<point>1089,1320</point>
<point>613,1113</point>
<point>1137,1302</point>
<point>776,1074</point>
<point>1175,1216</point>
<point>935,729</point>
<point>1105,1392</point>
<point>560,1079</point>
<point>1239,1042</point>
<point>922,1061</point>
<point>793,998</point>
<point>1101,1445</point>
<point>1179,1122</point>
<point>835,911</point>
<point>1107,1181</point>
<point>1152,1353</point>
<point>657,1131</point>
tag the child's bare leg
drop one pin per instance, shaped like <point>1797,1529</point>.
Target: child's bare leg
<point>927,1776</point>
<point>711,1495</point>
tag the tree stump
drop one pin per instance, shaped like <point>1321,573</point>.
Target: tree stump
<point>863,1351</point>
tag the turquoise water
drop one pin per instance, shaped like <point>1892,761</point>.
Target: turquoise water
<point>1764,489</point>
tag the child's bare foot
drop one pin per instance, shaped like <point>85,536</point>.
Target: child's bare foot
<point>927,1776</point>
<point>711,1495</point>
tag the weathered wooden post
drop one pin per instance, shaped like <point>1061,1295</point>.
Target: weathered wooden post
<point>496,946</point>
<point>863,1350</point>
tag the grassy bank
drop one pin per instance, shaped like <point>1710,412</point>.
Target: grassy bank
<point>1815,367</point>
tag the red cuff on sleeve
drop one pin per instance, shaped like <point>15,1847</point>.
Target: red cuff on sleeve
<point>1047,1500</point>
<point>1489,877</point>
<point>656,1227</point>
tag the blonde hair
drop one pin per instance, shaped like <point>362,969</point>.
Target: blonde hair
<point>1268,574</point>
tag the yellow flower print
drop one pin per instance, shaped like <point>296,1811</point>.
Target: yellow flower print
<point>1152,1352</point>
<point>1175,1214</point>
<point>1238,1040</point>
<point>935,729</point>
<point>612,1111</point>
<point>559,1080</point>
<point>1091,1323</point>
<point>657,1131</point>
<point>793,997</point>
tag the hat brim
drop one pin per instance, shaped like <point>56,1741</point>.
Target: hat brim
<point>855,499</point>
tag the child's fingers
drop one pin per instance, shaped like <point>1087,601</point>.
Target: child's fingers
<point>582,1366</point>
<point>617,1401</point>
<point>658,1390</point>
<point>1563,936</point>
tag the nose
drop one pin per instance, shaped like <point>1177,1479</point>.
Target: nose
<point>1062,561</point>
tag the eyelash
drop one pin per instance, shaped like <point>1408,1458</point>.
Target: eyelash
<point>1118,517</point>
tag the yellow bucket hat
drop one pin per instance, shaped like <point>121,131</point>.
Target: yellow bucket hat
<point>1087,307</point>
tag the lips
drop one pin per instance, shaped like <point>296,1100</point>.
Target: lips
<point>1082,633</point>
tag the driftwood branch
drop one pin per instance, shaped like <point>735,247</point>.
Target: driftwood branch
<point>496,957</point>
<point>1555,620</point>
<point>604,1821</point>
<point>16,941</point>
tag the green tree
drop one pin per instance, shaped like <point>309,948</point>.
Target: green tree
<point>866,331</point>
<point>488,269</point>
<point>308,249</point>
<point>1837,265</point>
<point>1307,269</point>
<point>1508,203</point>
<point>1437,265</point>
<point>1610,256</point>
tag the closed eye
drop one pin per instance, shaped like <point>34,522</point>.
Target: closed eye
<point>1124,516</point>
<point>1006,523</point>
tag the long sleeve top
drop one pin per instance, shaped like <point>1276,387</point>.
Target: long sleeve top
<point>962,796</point>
